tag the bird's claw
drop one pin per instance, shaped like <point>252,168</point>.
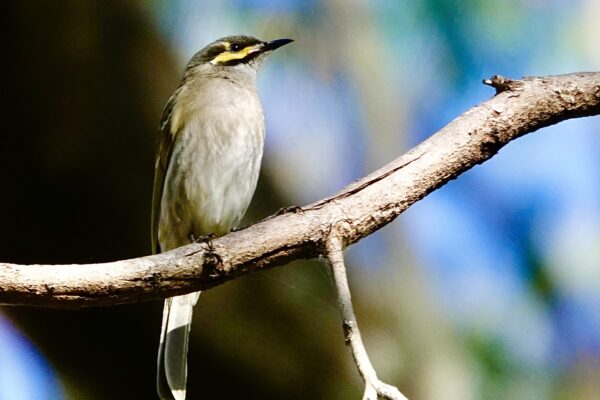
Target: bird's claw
<point>202,238</point>
<point>290,209</point>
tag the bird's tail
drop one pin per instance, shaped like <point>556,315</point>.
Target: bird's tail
<point>172,352</point>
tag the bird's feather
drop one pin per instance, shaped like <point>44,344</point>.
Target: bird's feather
<point>172,353</point>
<point>166,140</point>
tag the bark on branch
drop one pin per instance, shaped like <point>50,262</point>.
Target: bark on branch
<point>519,107</point>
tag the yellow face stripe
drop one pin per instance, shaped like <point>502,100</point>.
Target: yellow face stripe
<point>229,55</point>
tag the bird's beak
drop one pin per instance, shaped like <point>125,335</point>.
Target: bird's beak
<point>275,44</point>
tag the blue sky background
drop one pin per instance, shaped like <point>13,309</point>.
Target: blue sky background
<point>24,373</point>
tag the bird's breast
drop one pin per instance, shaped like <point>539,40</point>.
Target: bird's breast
<point>214,166</point>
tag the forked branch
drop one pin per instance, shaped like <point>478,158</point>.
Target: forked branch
<point>519,107</point>
<point>374,388</point>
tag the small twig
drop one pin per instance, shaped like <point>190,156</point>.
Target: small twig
<point>502,84</point>
<point>374,388</point>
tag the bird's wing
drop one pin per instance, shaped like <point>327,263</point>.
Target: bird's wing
<point>166,139</point>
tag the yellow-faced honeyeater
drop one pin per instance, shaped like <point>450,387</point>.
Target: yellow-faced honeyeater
<point>207,164</point>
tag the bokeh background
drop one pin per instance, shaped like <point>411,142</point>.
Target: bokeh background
<point>487,289</point>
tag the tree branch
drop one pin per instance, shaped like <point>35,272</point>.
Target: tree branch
<point>374,388</point>
<point>520,107</point>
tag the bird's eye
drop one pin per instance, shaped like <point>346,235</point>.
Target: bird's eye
<point>235,47</point>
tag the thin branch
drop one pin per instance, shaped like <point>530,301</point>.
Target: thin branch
<point>373,386</point>
<point>520,107</point>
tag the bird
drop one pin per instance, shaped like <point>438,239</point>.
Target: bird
<point>208,158</point>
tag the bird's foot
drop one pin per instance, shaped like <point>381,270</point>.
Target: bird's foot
<point>290,209</point>
<point>202,238</point>
<point>215,259</point>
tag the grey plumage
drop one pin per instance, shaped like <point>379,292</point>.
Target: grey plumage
<point>207,165</point>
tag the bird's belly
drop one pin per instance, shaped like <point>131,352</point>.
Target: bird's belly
<point>212,177</point>
<point>220,188</point>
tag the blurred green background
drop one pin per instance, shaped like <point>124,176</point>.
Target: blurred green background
<point>487,289</point>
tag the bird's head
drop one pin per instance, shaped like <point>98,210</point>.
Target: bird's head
<point>232,51</point>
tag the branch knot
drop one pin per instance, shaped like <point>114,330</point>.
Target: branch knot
<point>502,84</point>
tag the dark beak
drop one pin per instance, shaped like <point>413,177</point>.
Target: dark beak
<point>275,44</point>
